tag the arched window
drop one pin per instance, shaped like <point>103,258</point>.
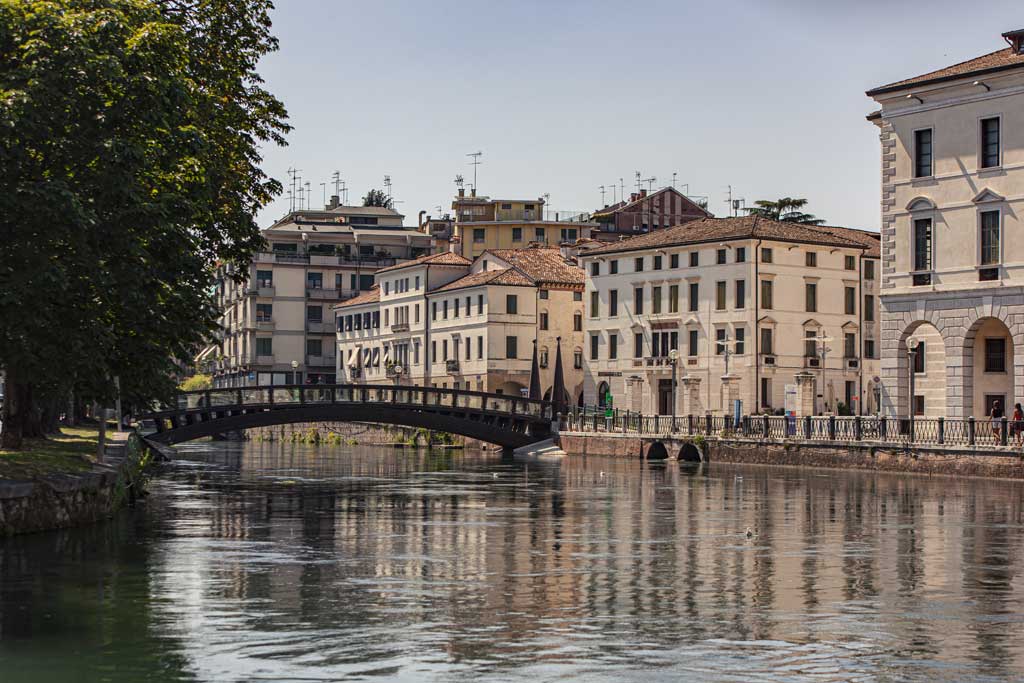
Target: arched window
<point>543,356</point>
<point>603,394</point>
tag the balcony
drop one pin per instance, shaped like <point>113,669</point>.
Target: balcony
<point>812,362</point>
<point>451,367</point>
<point>400,327</point>
<point>320,361</point>
<point>264,360</point>
<point>319,293</point>
<point>355,373</point>
<point>265,323</point>
<point>319,327</point>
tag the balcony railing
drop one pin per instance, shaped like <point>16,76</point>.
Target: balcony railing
<point>400,327</point>
<point>320,361</point>
<point>319,327</point>
<point>265,323</point>
<point>320,293</point>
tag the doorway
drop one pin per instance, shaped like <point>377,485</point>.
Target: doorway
<point>664,397</point>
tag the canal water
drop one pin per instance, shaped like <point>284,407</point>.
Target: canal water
<point>280,562</point>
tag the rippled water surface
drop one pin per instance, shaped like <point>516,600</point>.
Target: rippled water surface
<point>270,562</point>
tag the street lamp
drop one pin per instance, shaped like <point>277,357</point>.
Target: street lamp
<point>912,350</point>
<point>295,366</point>
<point>673,359</point>
<point>821,340</point>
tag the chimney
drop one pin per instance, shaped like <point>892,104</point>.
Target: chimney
<point>472,192</point>
<point>1016,41</point>
<point>462,192</point>
<point>643,193</point>
<point>633,196</point>
<point>334,203</point>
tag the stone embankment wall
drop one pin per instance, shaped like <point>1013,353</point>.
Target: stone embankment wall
<point>67,500</point>
<point>960,462</point>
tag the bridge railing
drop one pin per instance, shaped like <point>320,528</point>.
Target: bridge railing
<point>318,394</point>
<point>1000,433</point>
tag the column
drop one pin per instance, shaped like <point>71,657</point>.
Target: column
<point>804,393</point>
<point>691,396</point>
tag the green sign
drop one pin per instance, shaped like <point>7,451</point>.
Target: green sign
<point>608,404</point>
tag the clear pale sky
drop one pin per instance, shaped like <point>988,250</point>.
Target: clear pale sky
<point>563,96</point>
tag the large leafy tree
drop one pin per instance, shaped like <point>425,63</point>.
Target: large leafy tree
<point>377,198</point>
<point>129,168</point>
<point>786,209</point>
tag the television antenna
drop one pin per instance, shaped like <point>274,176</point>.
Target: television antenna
<point>459,181</point>
<point>476,162</point>
<point>309,196</point>
<point>650,183</point>
<point>387,184</point>
<point>601,187</point>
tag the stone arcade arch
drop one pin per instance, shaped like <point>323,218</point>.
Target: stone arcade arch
<point>930,386</point>
<point>988,357</point>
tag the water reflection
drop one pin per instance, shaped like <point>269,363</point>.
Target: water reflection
<point>281,562</point>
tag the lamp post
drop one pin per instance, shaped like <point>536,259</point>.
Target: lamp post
<point>297,378</point>
<point>912,345</point>
<point>822,341</point>
<point>673,359</point>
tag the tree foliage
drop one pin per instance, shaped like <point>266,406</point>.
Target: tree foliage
<point>129,167</point>
<point>787,209</point>
<point>377,198</point>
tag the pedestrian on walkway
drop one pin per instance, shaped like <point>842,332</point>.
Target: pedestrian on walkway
<point>1017,428</point>
<point>995,416</point>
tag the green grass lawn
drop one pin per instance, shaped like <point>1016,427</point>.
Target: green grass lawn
<point>71,451</point>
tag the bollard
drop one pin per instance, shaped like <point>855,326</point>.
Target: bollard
<point>942,430</point>
<point>689,425</point>
<point>970,430</point>
<point>831,427</point>
<point>707,424</point>
<point>857,428</point>
<point>656,424</point>
<point>1002,431</point>
<point>881,427</point>
<point>807,427</point>
<point>766,427</point>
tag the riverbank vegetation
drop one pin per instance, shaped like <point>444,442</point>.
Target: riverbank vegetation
<point>68,452</point>
<point>129,172</point>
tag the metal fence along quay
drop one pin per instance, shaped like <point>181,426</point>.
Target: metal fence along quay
<point>904,431</point>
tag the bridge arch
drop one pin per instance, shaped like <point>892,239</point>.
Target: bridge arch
<point>691,453</point>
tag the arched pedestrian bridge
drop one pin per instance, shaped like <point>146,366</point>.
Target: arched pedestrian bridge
<point>509,421</point>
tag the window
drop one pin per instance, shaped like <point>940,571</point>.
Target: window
<point>315,280</point>
<point>673,261</point>
<point>694,295</point>
<point>613,346</point>
<point>595,268</point>
<point>479,304</point>
<point>638,345</point>
<point>538,235</point>
<point>811,259</point>
<point>417,283</point>
<point>314,347</point>
<point>922,153</point>
<point>595,301</point>
<point>544,320</point>
<point>719,296</point>
<point>456,314</point>
<point>506,207</point>
<point>869,348</point>
<point>577,322</point>
<point>850,300</point>
<point>544,357</point>
<point>811,296</point>
<point>869,308</point>
<point>469,348</point>
<point>919,405</point>
<point>638,301</point>
<point>315,314</point>
<point>923,244</point>
<point>766,341</point>
<point>444,309</point>
<point>444,349</point>
<point>766,255</point>
<point>595,341</point>
<point>850,345</point>
<point>511,306</point>
<point>766,294</point>
<point>517,234</point>
<point>741,294</point>
<point>433,352</point>
<point>741,341</point>
<point>511,346</point>
<point>264,346</point>
<point>568,234</point>
<point>655,300</point>
<point>989,142</point>
<point>543,294</point>
<point>692,343</point>
<point>694,259</point>
<point>657,262</point>
<point>673,298</point>
<point>995,355</point>
<point>850,262</point>
<point>577,296</point>
<point>613,267</point>
<point>766,392</point>
<point>720,341</point>
<point>469,306</point>
<point>810,344</point>
<point>577,359</point>
<point>989,238</point>
<point>613,303</point>
<point>741,254</point>
<point>919,359</point>
<point>264,278</point>
<point>265,313</point>
<point>480,347</point>
<point>478,235</point>
<point>720,256</point>
<point>638,264</point>
<point>433,310</point>
<point>387,311</point>
<point>869,270</point>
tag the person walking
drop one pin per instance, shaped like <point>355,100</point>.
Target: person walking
<point>1017,428</point>
<point>995,416</point>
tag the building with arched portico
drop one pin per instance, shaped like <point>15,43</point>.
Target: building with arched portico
<point>952,257</point>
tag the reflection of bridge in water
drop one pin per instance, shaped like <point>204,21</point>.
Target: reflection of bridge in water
<point>509,421</point>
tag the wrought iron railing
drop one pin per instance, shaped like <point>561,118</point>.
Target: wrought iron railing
<point>897,430</point>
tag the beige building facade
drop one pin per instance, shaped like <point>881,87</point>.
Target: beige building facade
<point>471,325</point>
<point>734,308</point>
<point>278,325</point>
<point>953,264</point>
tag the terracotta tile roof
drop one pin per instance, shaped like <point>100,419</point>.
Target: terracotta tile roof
<point>871,240</point>
<point>706,230</point>
<point>445,258</point>
<point>506,276</point>
<point>622,205</point>
<point>370,296</point>
<point>543,265</point>
<point>994,61</point>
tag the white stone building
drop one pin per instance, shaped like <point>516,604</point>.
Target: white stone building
<point>748,289</point>
<point>953,263</point>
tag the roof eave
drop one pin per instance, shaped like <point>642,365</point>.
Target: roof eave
<point>885,89</point>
